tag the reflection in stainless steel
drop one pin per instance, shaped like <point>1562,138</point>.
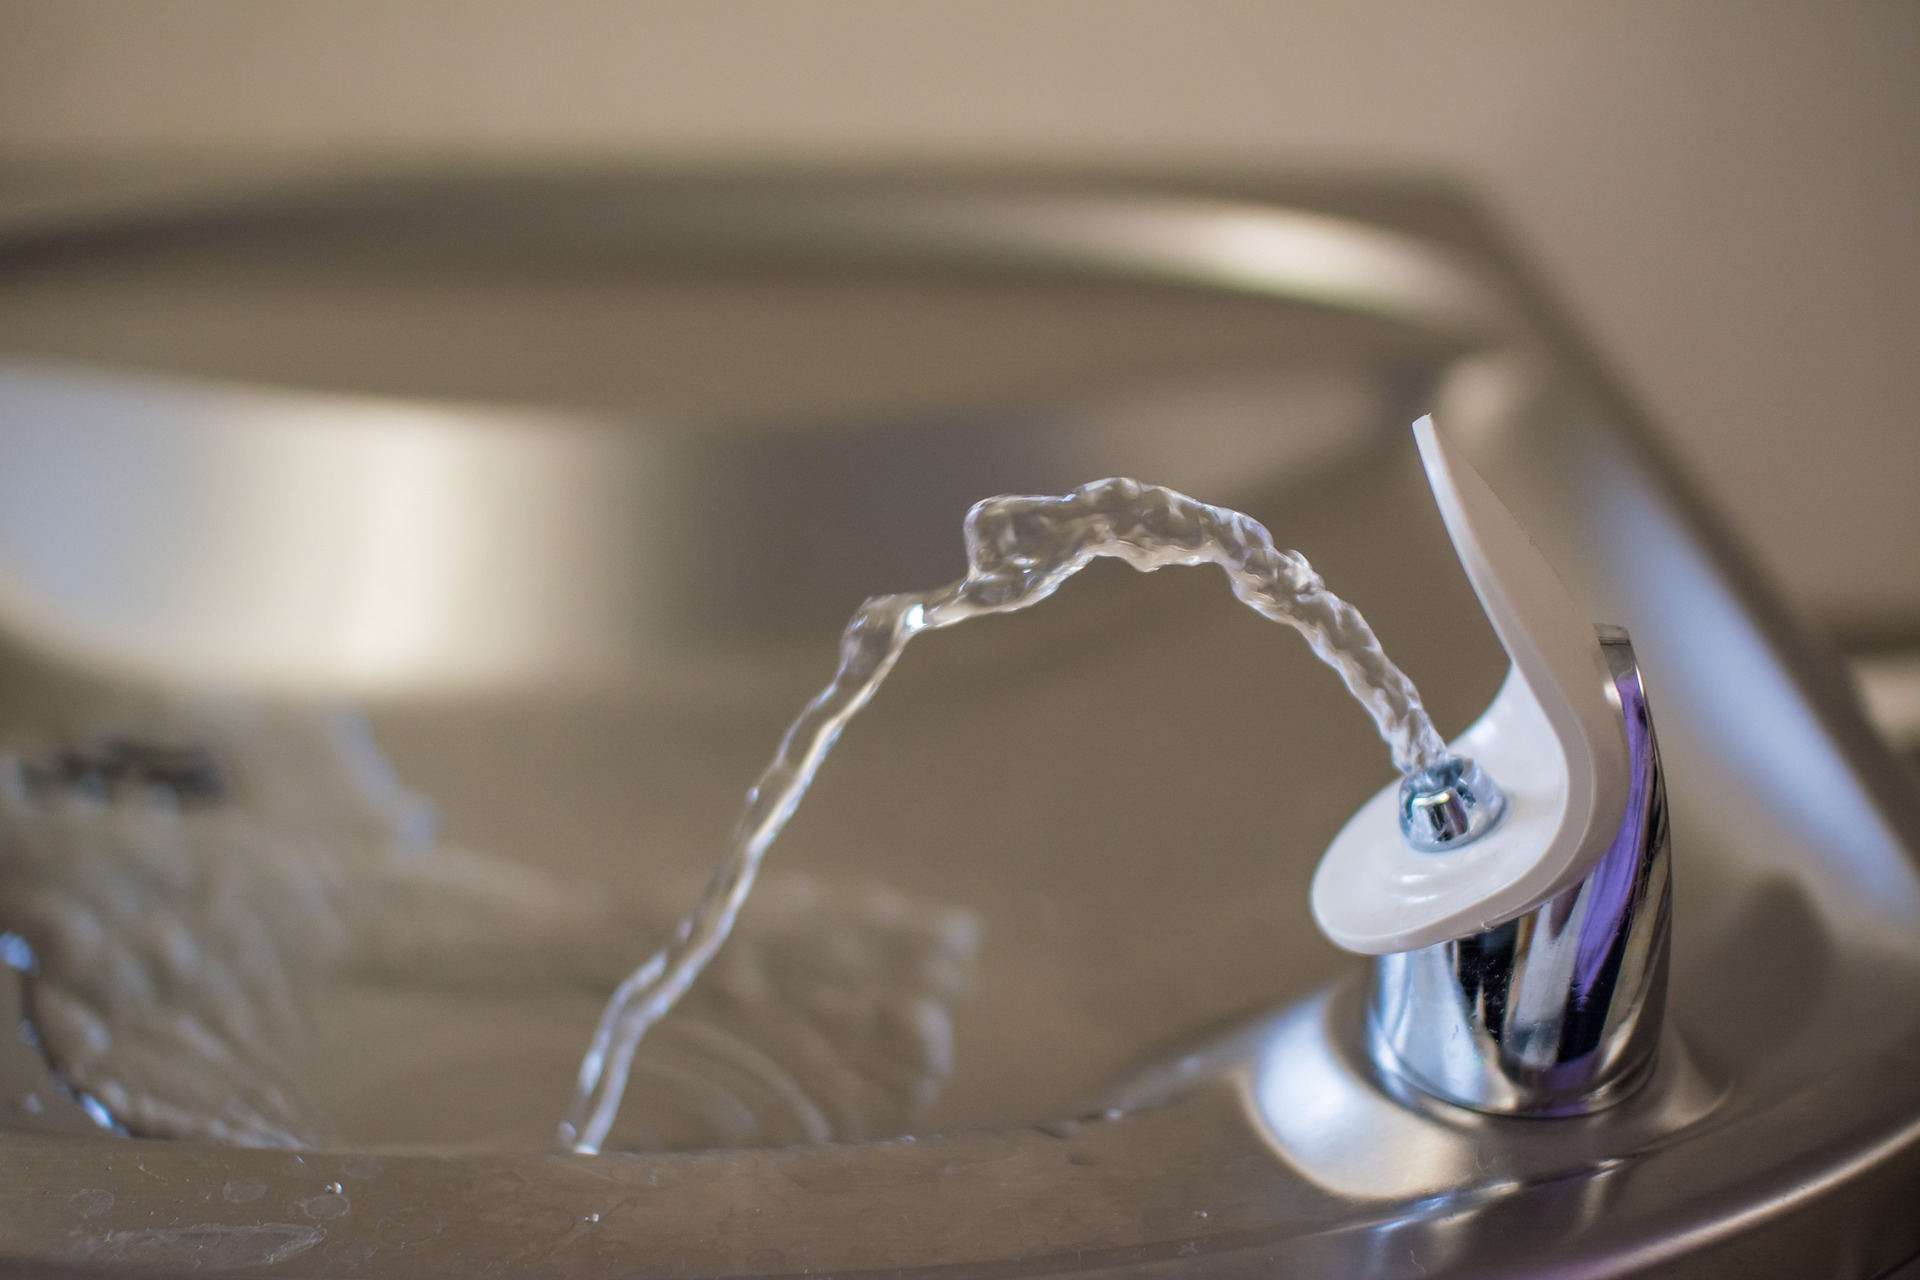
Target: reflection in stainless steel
<point>325,543</point>
<point>338,543</point>
<point>1559,1011</point>
<point>570,368</point>
<point>1310,1081</point>
<point>1243,246</point>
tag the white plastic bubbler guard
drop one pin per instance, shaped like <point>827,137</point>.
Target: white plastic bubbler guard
<point>1553,738</point>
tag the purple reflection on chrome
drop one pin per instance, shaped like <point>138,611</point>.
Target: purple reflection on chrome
<point>1613,877</point>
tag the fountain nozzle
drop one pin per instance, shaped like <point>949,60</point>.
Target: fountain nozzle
<point>1449,805</point>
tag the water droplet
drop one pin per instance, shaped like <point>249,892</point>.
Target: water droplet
<point>243,1192</point>
<point>89,1203</point>
<point>330,1205</point>
<point>593,1217</point>
<point>335,1187</point>
<point>98,1113</point>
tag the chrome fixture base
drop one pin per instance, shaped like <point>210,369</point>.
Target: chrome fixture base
<point>1450,805</point>
<point>1557,1012</point>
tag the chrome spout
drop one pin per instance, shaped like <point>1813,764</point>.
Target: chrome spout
<point>1556,1011</point>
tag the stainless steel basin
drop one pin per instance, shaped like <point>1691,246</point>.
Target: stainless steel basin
<point>570,481</point>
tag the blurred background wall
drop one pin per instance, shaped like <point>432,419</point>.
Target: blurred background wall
<point>1727,195</point>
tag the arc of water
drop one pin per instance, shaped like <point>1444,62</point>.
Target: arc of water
<point>1019,551</point>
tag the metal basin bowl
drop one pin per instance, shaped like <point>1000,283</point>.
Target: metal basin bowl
<point>568,483</point>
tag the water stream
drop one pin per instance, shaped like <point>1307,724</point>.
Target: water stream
<point>1019,551</point>
<point>235,923</point>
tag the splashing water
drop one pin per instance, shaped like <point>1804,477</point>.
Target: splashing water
<point>224,953</point>
<point>1019,551</point>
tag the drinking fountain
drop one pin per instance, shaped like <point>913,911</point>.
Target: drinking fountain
<point>1528,979</point>
<point>445,553</point>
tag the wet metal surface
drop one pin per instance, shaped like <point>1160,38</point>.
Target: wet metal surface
<point>578,372</point>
